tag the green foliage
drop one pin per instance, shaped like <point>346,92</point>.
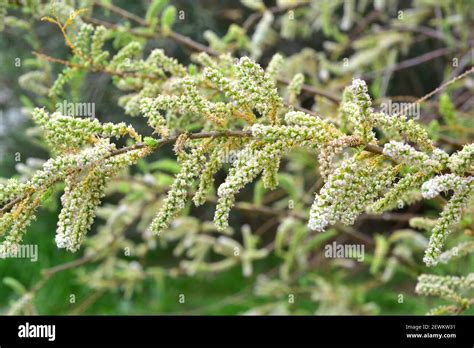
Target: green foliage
<point>283,182</point>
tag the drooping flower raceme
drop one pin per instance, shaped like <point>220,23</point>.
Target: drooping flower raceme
<point>348,191</point>
<point>462,160</point>
<point>447,287</point>
<point>451,214</point>
<point>82,196</point>
<point>191,167</point>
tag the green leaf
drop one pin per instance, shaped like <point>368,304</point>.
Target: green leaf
<point>258,193</point>
<point>167,165</point>
<point>154,9</point>
<point>447,110</point>
<point>15,285</point>
<point>433,129</point>
<point>381,249</point>
<point>168,18</point>
<point>151,142</point>
<point>287,182</point>
<point>319,239</point>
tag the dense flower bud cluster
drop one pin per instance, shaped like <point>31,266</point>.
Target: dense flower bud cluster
<point>444,286</point>
<point>406,153</point>
<point>356,107</point>
<point>403,126</point>
<point>206,179</point>
<point>460,250</point>
<point>150,109</point>
<point>58,168</point>
<point>443,183</point>
<point>451,214</point>
<point>257,84</point>
<point>72,132</point>
<point>82,196</point>
<point>332,149</point>
<point>126,59</point>
<point>294,88</point>
<point>252,88</point>
<point>191,167</point>
<point>194,102</point>
<point>79,202</point>
<point>347,192</point>
<point>293,135</point>
<point>83,40</point>
<point>274,66</point>
<point>250,162</point>
<point>99,56</point>
<point>405,191</point>
<point>18,219</point>
<point>157,57</point>
<point>10,190</point>
<point>462,160</point>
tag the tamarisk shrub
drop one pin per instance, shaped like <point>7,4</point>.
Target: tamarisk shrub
<point>369,161</point>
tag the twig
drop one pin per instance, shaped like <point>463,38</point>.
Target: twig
<point>411,62</point>
<point>444,85</point>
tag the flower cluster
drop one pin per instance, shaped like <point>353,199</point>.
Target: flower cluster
<point>451,214</point>
<point>443,183</point>
<point>406,153</point>
<point>250,162</point>
<point>294,88</point>
<point>292,135</point>
<point>332,149</point>
<point>356,107</point>
<point>462,160</point>
<point>127,58</point>
<point>79,202</point>
<point>405,191</point>
<point>83,194</point>
<point>67,132</point>
<point>191,166</point>
<point>150,110</point>
<point>444,286</point>
<point>206,179</point>
<point>353,186</point>
<point>460,250</point>
<point>99,56</point>
<point>252,88</point>
<point>158,58</point>
<point>11,189</point>
<point>21,214</point>
<point>405,127</point>
<point>256,83</point>
<point>274,66</point>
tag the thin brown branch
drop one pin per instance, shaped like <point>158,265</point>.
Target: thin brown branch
<point>122,74</point>
<point>444,85</point>
<point>411,62</point>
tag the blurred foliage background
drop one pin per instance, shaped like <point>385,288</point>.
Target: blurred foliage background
<point>403,49</point>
